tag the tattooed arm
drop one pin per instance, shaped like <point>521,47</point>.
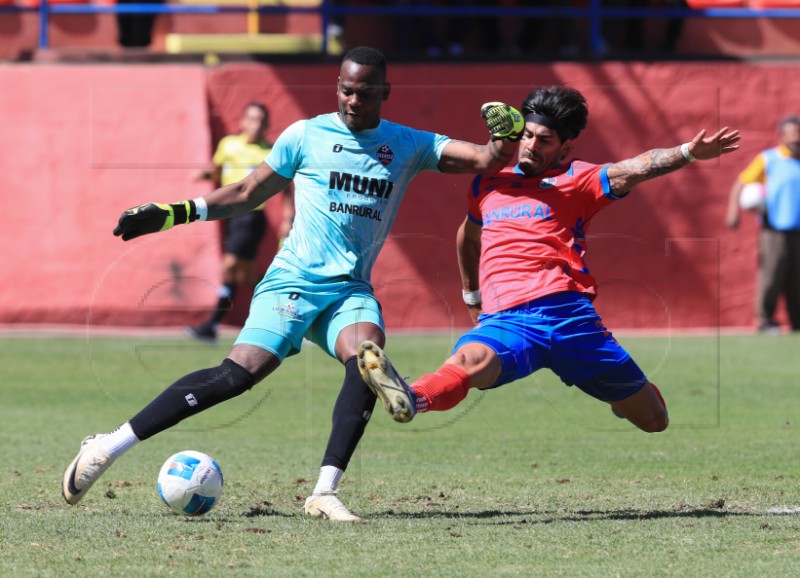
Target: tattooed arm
<point>625,175</point>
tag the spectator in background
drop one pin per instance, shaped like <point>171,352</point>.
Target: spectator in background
<point>235,158</point>
<point>674,27</point>
<point>336,24</point>
<point>632,30</point>
<point>136,30</point>
<point>414,33</point>
<point>459,29</point>
<point>532,30</point>
<point>779,243</point>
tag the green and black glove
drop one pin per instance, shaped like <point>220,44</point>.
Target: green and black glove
<point>503,121</point>
<point>154,217</point>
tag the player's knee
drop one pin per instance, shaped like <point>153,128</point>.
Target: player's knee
<point>658,422</point>
<point>656,426</point>
<point>471,356</point>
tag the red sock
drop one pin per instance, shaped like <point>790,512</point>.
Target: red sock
<point>442,390</point>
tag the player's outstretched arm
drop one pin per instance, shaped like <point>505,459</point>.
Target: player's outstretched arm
<point>505,124</point>
<point>625,175</point>
<point>222,203</point>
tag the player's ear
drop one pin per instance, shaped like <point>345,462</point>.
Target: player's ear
<point>387,88</point>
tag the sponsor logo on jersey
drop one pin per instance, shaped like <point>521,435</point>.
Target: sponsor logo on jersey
<point>361,185</point>
<point>358,210</point>
<point>385,155</point>
<point>337,148</point>
<point>288,310</point>
<point>548,183</point>
<point>523,211</point>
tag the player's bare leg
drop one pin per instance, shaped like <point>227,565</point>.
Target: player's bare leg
<point>645,409</point>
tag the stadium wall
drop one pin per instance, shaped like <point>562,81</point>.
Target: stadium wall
<point>81,143</point>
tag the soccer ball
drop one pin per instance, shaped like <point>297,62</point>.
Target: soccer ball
<point>190,483</point>
<point>752,197</point>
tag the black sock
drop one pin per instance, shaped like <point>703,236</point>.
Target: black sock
<point>350,417</point>
<point>224,305</point>
<point>191,394</point>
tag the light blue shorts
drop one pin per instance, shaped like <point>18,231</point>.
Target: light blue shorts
<point>564,333</point>
<point>285,309</point>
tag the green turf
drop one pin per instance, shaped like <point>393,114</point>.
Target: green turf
<point>534,479</point>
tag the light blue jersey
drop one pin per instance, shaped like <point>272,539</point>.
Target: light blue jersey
<point>348,188</point>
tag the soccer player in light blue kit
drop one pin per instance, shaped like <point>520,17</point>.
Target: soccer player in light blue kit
<point>350,171</point>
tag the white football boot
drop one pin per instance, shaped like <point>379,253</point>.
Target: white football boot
<point>328,506</point>
<point>90,463</point>
<point>376,369</point>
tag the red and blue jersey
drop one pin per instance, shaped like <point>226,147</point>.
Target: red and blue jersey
<point>533,238</point>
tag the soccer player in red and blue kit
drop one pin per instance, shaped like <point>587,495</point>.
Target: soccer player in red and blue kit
<point>521,256</point>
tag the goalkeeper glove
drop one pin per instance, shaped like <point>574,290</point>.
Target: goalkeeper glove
<point>503,121</point>
<point>154,217</point>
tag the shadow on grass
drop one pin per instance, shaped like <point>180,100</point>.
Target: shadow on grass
<point>532,516</point>
<point>511,517</point>
<point>267,510</point>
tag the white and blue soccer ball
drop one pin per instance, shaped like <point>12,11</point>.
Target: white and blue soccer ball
<point>753,197</point>
<point>190,483</point>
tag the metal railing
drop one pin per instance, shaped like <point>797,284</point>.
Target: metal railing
<point>595,13</point>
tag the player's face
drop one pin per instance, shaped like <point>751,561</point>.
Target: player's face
<point>253,124</point>
<point>361,90</point>
<point>540,149</point>
<point>790,137</point>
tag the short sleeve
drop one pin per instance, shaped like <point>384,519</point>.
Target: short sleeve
<point>592,179</point>
<point>755,171</point>
<point>284,158</point>
<point>220,155</point>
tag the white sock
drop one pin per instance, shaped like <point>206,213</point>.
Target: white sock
<point>119,441</point>
<point>328,481</point>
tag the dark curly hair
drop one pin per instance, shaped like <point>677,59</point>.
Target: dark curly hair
<point>565,105</point>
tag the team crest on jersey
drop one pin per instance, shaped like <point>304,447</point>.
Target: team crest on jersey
<point>547,183</point>
<point>385,155</point>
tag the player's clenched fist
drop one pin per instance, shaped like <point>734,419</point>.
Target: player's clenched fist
<point>154,217</point>
<point>503,121</point>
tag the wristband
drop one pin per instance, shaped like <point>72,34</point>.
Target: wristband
<point>472,297</point>
<point>202,209</point>
<point>687,154</point>
<point>181,214</point>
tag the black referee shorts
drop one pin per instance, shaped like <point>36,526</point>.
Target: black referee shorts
<point>243,234</point>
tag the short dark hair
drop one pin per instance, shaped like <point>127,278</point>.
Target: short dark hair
<point>366,55</point>
<point>565,105</point>
<point>792,119</point>
<point>260,107</point>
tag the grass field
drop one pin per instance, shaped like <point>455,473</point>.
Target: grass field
<point>534,479</point>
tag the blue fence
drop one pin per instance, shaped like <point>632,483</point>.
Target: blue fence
<point>595,13</point>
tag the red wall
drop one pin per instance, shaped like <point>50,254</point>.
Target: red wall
<point>86,142</point>
<point>81,144</point>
